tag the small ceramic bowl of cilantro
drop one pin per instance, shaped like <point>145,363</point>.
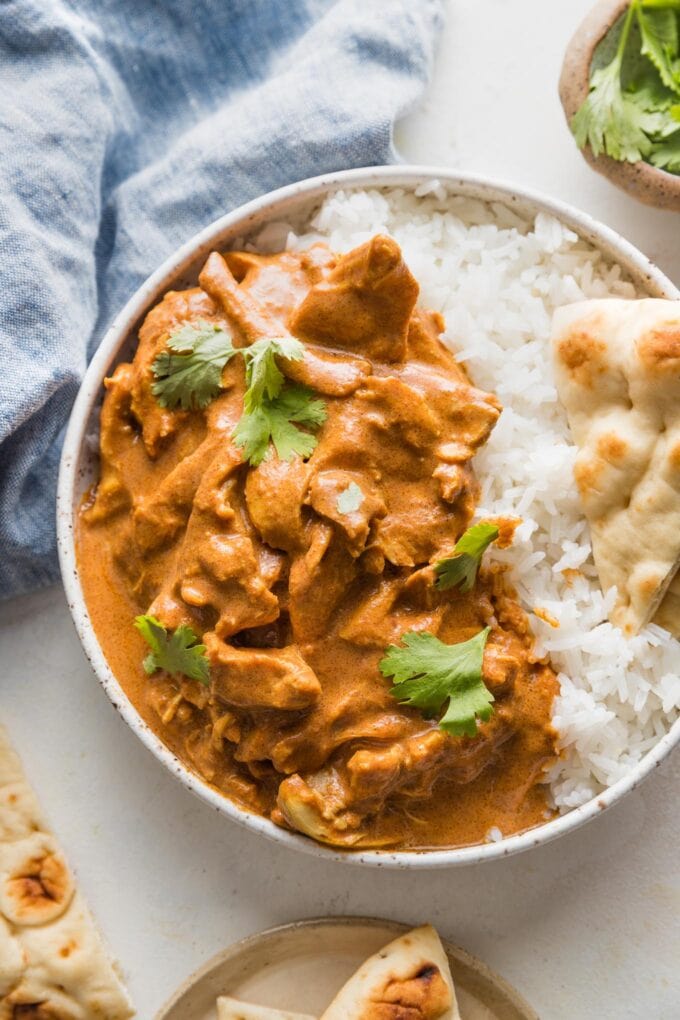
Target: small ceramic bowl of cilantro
<point>620,88</point>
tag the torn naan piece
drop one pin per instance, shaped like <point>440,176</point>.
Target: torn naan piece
<point>232,1009</point>
<point>617,368</point>
<point>53,965</point>
<point>668,613</point>
<point>408,977</point>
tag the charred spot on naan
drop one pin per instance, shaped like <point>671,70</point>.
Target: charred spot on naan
<point>424,996</point>
<point>36,886</point>
<point>612,447</point>
<point>19,811</point>
<point>648,583</point>
<point>587,474</point>
<point>32,1011</point>
<point>659,348</point>
<point>583,355</point>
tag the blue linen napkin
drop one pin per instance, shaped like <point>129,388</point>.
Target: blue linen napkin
<point>125,127</point>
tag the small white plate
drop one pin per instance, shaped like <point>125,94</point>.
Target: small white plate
<point>301,966</point>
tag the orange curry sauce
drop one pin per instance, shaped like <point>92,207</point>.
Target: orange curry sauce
<point>297,601</point>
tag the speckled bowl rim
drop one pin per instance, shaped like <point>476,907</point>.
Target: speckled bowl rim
<point>238,223</point>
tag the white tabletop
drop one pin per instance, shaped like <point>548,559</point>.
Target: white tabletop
<point>587,928</point>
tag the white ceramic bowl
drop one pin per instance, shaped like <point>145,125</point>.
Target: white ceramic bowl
<point>78,465</point>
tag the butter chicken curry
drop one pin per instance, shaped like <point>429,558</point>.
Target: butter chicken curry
<point>286,497</point>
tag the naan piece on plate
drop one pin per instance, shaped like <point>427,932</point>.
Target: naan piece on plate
<point>232,1009</point>
<point>53,965</point>
<point>408,977</point>
<point>618,375</point>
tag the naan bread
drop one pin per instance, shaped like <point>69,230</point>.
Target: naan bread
<point>409,977</point>
<point>232,1009</point>
<point>52,963</point>
<point>618,375</point>
<point>668,613</point>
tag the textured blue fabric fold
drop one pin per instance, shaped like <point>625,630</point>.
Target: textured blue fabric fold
<point>125,127</point>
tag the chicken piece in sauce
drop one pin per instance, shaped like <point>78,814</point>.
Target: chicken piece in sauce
<point>296,600</point>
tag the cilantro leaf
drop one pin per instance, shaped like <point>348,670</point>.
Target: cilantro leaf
<point>659,35</point>
<point>191,376</point>
<point>666,154</point>
<point>427,673</point>
<point>275,421</point>
<point>263,376</point>
<point>652,96</point>
<point>350,499</point>
<point>461,567</point>
<point>613,121</point>
<point>176,653</point>
<point>660,103</point>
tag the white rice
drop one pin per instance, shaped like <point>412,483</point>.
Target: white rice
<point>497,279</point>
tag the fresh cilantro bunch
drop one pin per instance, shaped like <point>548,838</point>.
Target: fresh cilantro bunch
<point>632,111</point>
<point>178,653</point>
<point>427,673</point>
<point>189,375</point>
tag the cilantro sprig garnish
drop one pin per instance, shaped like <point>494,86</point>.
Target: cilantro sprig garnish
<point>427,673</point>
<point>276,421</point>
<point>189,375</point>
<point>272,408</point>
<point>264,378</point>
<point>460,569</point>
<point>178,653</point>
<point>632,111</point>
